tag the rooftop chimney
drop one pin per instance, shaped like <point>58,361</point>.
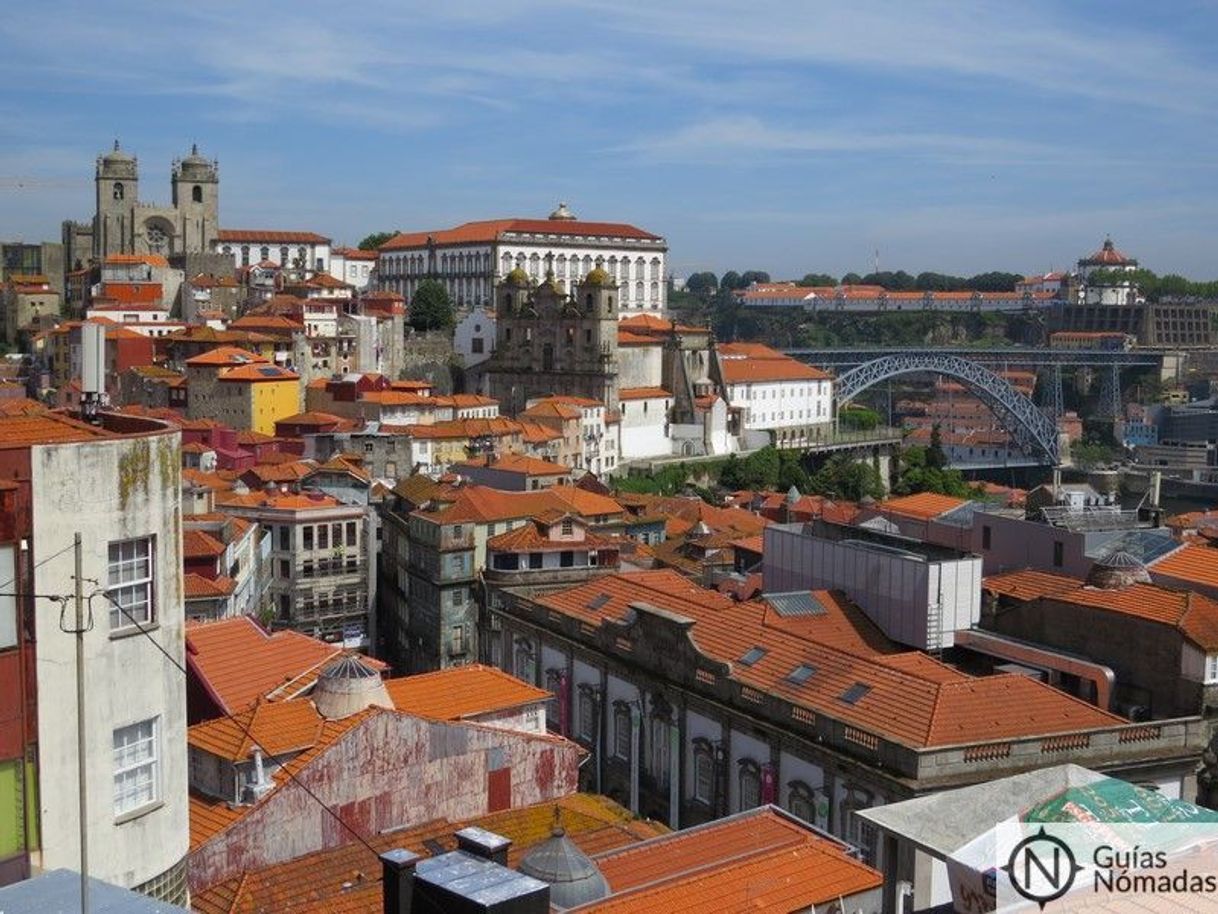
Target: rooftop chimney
<point>484,844</point>
<point>397,881</point>
<point>1156,483</point>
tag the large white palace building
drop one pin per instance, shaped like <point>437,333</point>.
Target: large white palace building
<point>472,257</point>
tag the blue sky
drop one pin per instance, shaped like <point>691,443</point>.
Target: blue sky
<point>787,136</point>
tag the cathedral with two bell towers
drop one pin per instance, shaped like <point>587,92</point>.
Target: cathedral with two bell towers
<point>122,224</point>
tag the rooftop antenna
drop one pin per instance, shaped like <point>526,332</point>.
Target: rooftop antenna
<point>876,262</point>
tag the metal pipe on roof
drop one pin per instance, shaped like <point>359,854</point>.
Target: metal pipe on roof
<point>1100,676</point>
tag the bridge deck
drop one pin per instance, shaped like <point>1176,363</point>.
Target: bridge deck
<point>1015,355</point>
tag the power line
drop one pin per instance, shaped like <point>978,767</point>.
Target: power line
<point>67,548</point>
<point>244,729</point>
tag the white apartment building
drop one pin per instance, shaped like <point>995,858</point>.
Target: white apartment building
<point>474,336</point>
<point>472,257</point>
<point>353,266</point>
<point>599,433</point>
<point>773,393</point>
<point>301,250</point>
<point>122,493</point>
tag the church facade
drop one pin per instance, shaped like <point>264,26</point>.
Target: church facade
<point>123,224</point>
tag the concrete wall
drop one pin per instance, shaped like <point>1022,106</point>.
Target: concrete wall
<point>110,491</point>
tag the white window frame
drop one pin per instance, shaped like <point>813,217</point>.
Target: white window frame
<point>137,767</point>
<point>1211,669</point>
<point>129,584</point>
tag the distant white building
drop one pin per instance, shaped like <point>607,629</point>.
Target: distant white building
<point>300,250</point>
<point>474,336</point>
<point>645,424</point>
<point>773,393</point>
<point>353,266</point>
<point>472,257</point>
<point>1108,260</point>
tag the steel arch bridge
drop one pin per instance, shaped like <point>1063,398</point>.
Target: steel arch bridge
<point>1032,430</point>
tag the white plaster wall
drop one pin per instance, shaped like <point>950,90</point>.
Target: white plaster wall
<point>478,324</point>
<point>110,490</point>
<point>643,428</point>
<point>783,404</point>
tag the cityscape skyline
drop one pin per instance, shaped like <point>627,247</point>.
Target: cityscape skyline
<point>793,141</point>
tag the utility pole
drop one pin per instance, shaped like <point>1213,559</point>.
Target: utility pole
<point>82,786</point>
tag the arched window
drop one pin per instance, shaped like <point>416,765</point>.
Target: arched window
<point>227,249</point>
<point>638,291</point>
<point>655,291</point>
<point>283,255</point>
<point>302,256</point>
<point>588,302</point>
<point>196,194</point>
<point>505,263</point>
<point>587,264</point>
<point>245,255</point>
<point>704,772</point>
<point>264,253</point>
<point>749,779</point>
<point>560,267</point>
<point>534,265</point>
<point>119,191</point>
<point>859,831</point>
<point>547,357</point>
<point>809,804</point>
<point>522,660</point>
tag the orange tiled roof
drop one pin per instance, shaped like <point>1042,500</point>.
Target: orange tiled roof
<point>571,400</point>
<point>518,463</point>
<point>223,356</point>
<point>24,428</point>
<point>914,704</point>
<point>1191,564</point>
<point>279,728</point>
<point>651,325</point>
<point>628,338</point>
<point>760,860</point>
<point>256,373</point>
<point>197,587</point>
<point>482,504</point>
<point>239,662</point>
<point>278,501</point>
<point>461,692</point>
<point>642,393</point>
<point>491,229</point>
<point>154,260</point>
<point>551,409</point>
<point>528,538</point>
<point>536,433</point>
<point>753,371</point>
<point>922,506</point>
<point>198,544</point>
<point>465,428</point>
<point>271,236</point>
<point>1193,614</point>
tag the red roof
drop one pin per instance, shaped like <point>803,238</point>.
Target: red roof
<point>226,355</point>
<point>493,229</point>
<point>643,393</point>
<point>921,506</point>
<point>517,463</point>
<point>760,370</point>
<point>462,692</point>
<point>271,236</point>
<point>1108,255</point>
<point>239,662</point>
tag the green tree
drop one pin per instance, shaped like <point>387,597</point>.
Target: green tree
<point>817,279</point>
<point>936,459</point>
<point>852,279</point>
<point>851,480</point>
<point>704,285</point>
<point>431,308</point>
<point>858,418</point>
<point>751,276</point>
<point>732,281</point>
<point>375,240</point>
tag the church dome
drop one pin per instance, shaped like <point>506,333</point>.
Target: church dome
<point>597,277</point>
<point>117,154</point>
<point>117,163</point>
<point>562,213</point>
<point>517,277</point>
<point>574,879</point>
<point>195,165</point>
<point>348,686</point>
<point>1116,571</point>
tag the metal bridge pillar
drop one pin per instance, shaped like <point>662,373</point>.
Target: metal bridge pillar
<point>1052,400</point>
<point>1110,393</point>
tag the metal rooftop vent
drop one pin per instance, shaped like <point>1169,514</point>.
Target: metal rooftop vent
<point>598,601</point>
<point>752,655</point>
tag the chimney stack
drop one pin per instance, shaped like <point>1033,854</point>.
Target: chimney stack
<point>397,881</point>
<point>484,844</point>
<point>1156,483</point>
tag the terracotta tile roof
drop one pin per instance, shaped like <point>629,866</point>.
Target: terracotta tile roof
<point>1191,564</point>
<point>239,662</point>
<point>922,506</point>
<point>529,537</point>
<point>550,409</point>
<point>492,229</point>
<point>642,393</point>
<point>760,860</point>
<point>746,350</point>
<point>464,401</point>
<point>279,728</point>
<point>197,544</point>
<point>465,428</point>
<point>1193,614</point>
<point>536,433</point>
<point>570,400</point>
<point>197,587</point>
<point>652,326</point>
<point>278,501</point>
<point>751,543</point>
<point>23,429</point>
<point>462,692</point>
<point>482,504</point>
<point>355,253</point>
<point>153,260</point>
<point>340,463</point>
<point>909,706</point>
<point>223,356</point>
<point>213,481</point>
<point>272,322</point>
<point>755,371</point>
<point>257,373</point>
<point>270,236</point>
<point>628,338</point>
<point>517,463</point>
<point>291,470</point>
<point>321,883</point>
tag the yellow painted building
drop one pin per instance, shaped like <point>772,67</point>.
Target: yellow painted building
<point>241,390</point>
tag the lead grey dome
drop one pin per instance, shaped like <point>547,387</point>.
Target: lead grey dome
<point>573,878</point>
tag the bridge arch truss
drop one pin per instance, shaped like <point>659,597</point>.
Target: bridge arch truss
<point>1031,429</point>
